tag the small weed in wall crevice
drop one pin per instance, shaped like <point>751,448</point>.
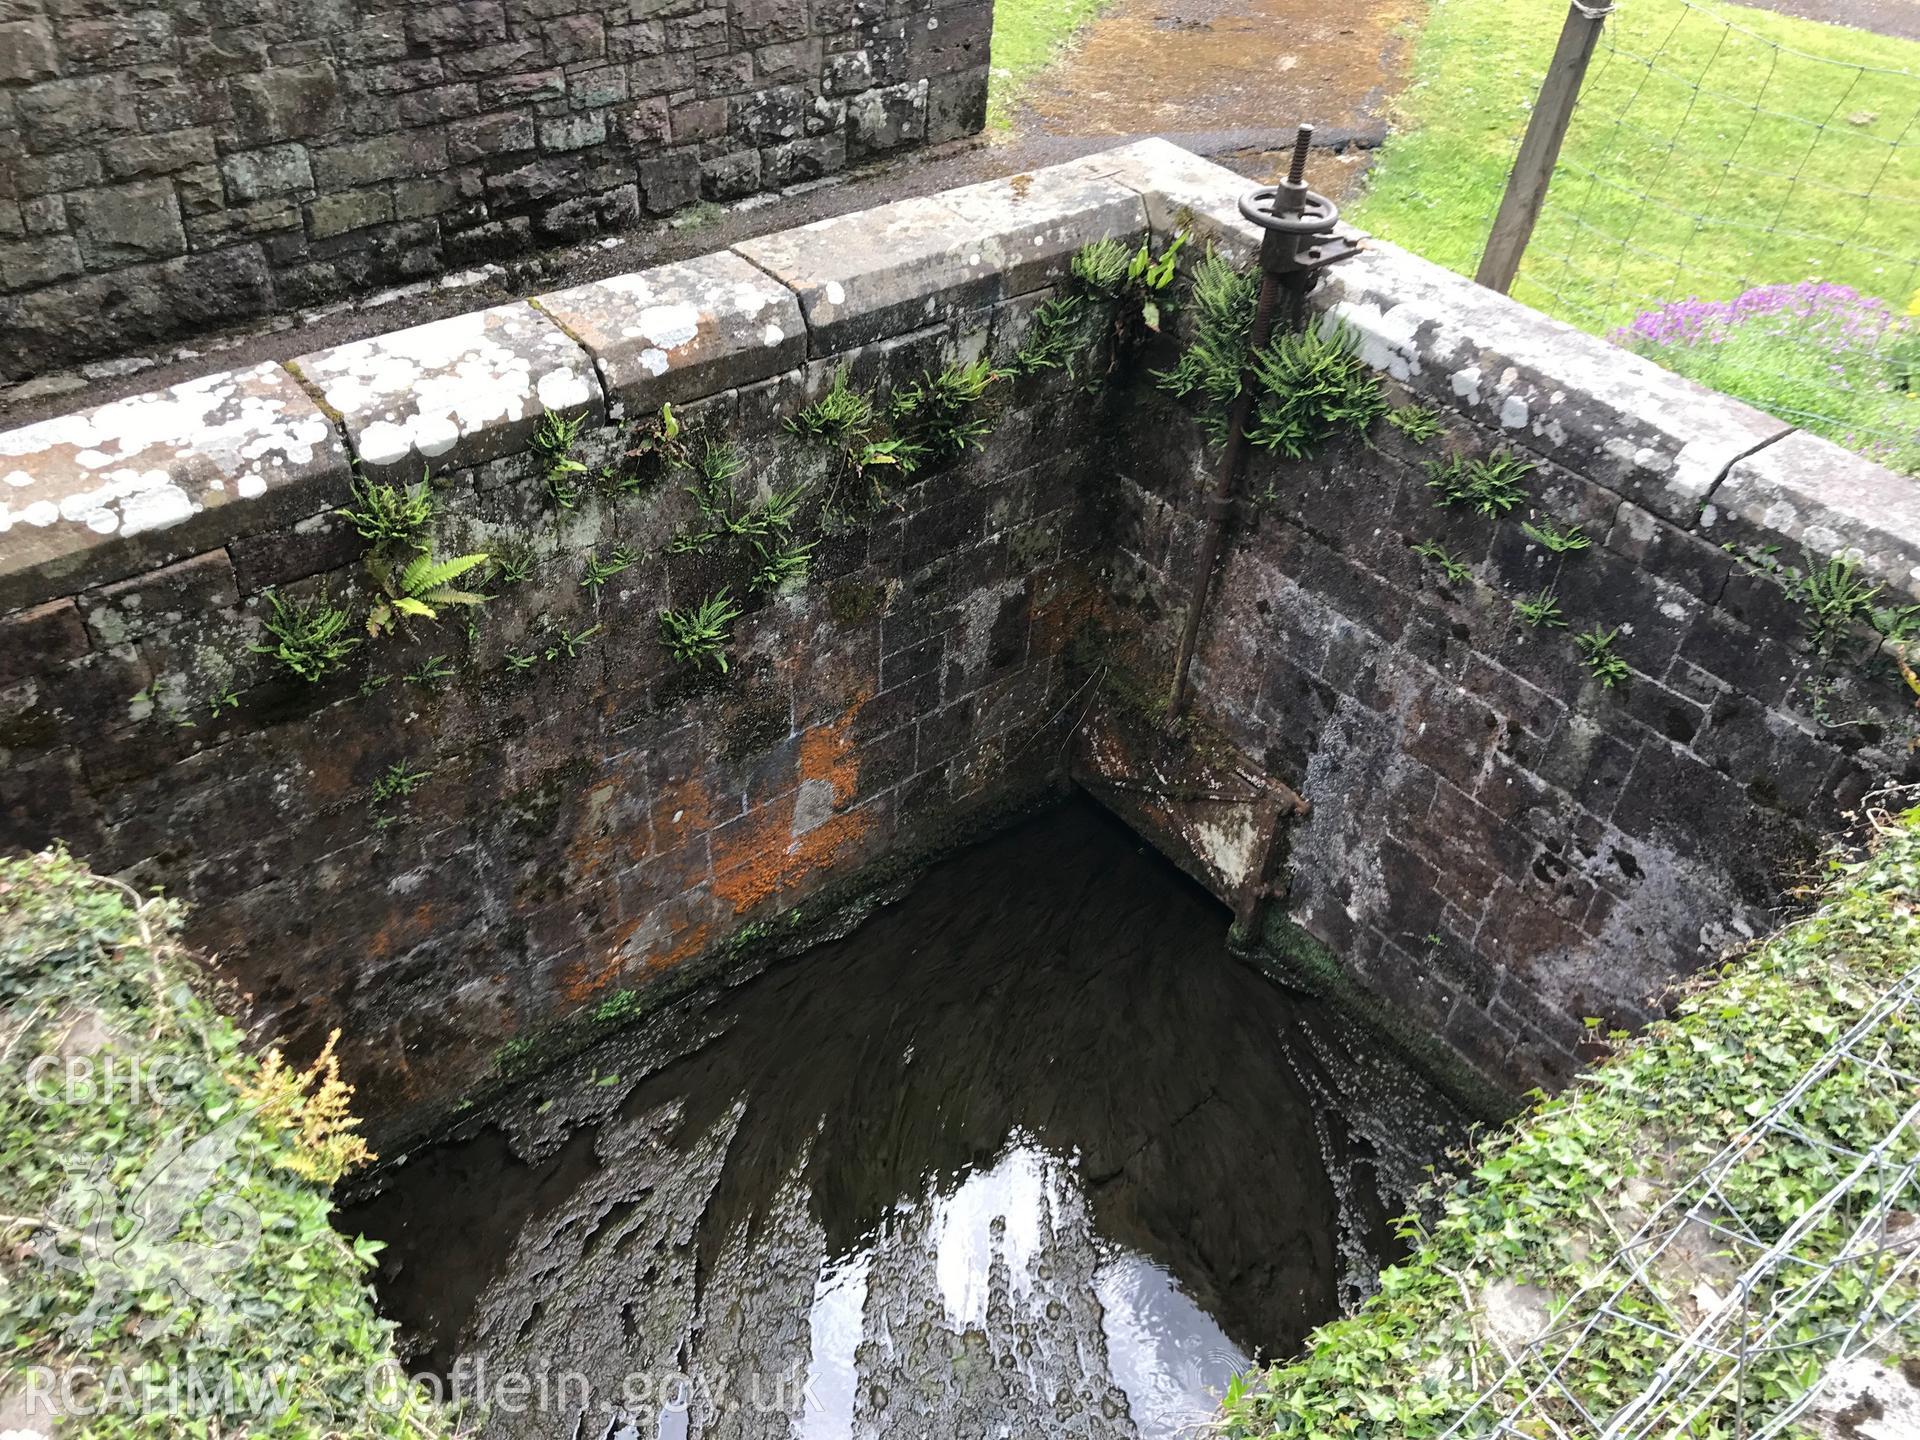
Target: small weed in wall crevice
<point>1489,487</point>
<point>1419,423</point>
<point>1557,539</point>
<point>390,515</point>
<point>598,571</point>
<point>311,636</point>
<point>1309,387</point>
<point>699,636</point>
<point>421,587</point>
<point>1541,611</point>
<point>390,793</point>
<point>1094,326</point>
<point>1210,370</point>
<point>1603,662</point>
<point>554,443</point>
<point>1456,571</point>
<point>941,413</point>
<point>1844,629</point>
<point>877,447</point>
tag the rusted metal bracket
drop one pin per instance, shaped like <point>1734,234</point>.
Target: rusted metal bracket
<point>1298,244</point>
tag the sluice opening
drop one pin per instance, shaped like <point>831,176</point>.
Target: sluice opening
<point>1027,1149</point>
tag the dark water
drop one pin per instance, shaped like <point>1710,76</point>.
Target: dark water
<point>1026,1152</point>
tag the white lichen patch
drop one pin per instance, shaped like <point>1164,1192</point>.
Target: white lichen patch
<point>151,461</point>
<point>426,390</point>
<point>1388,338</point>
<point>1230,844</point>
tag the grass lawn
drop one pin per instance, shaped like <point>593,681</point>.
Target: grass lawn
<point>1027,34</point>
<point>1705,160</point>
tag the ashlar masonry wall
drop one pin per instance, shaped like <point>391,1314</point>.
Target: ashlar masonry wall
<point>1499,847</point>
<point>168,169</point>
<point>591,820</point>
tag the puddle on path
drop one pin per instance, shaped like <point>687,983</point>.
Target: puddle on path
<point>1029,1150</point>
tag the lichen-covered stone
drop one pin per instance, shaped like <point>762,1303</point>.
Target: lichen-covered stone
<point>455,392</point>
<point>1029,226</point>
<point>1179,190</point>
<point>1616,418</point>
<point>919,262</point>
<point>1661,441</point>
<point>1810,497</point>
<point>94,496</point>
<point>684,330</point>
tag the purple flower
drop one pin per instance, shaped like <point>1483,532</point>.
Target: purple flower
<point>1834,317</point>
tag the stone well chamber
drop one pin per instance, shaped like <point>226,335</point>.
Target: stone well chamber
<point>488,831</point>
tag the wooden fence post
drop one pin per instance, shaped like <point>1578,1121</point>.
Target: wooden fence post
<point>1540,150</point>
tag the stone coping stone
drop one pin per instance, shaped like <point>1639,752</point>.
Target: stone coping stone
<point>1028,227</point>
<point>1180,191</point>
<point>1811,497</point>
<point>1615,417</point>
<point>455,392</point>
<point>915,263</point>
<point>106,493</point>
<point>1603,412</point>
<point>683,331</point>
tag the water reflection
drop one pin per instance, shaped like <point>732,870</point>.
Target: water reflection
<point>1027,1152</point>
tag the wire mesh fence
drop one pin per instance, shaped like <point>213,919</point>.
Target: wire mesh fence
<point>1728,1307</point>
<point>1748,213</point>
<point>1737,197</point>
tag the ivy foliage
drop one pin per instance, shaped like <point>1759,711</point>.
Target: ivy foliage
<point>1550,1200</point>
<point>167,1248</point>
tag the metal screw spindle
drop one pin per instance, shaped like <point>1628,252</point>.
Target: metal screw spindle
<point>1298,242</point>
<point>1297,172</point>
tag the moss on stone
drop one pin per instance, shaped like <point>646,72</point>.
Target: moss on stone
<point>849,602</point>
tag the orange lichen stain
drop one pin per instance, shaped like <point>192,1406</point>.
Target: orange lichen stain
<point>788,839</point>
<point>587,977</point>
<point>640,947</point>
<point>406,932</point>
<point>687,941</point>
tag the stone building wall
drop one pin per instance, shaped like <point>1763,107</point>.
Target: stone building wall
<point>167,169</point>
<point>1495,847</point>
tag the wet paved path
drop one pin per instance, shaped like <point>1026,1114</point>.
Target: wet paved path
<point>1230,79</point>
<point>1899,18</point>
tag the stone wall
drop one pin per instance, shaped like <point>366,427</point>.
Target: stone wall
<point>163,170</point>
<point>1498,847</point>
<point>1492,847</point>
<point>593,820</point>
